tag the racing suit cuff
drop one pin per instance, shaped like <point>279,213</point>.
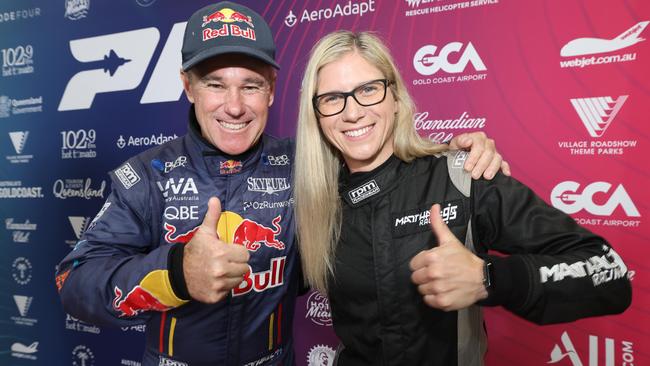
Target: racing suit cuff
<point>509,282</point>
<point>175,268</point>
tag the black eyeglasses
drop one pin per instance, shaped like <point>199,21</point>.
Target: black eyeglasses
<point>370,93</point>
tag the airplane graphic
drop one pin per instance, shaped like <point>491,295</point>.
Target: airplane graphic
<point>110,63</point>
<point>588,46</point>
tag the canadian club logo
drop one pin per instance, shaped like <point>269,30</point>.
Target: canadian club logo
<point>598,113</point>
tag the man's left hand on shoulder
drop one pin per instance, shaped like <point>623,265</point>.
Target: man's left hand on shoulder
<point>483,159</point>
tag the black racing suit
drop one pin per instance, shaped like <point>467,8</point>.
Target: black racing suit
<point>554,270</point>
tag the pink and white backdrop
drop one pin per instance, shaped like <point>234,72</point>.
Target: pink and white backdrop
<point>562,86</point>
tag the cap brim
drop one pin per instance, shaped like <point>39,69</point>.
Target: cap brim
<point>222,50</point>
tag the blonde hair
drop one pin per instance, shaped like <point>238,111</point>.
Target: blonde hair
<point>317,162</point>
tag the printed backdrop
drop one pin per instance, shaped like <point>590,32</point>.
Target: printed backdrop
<point>562,86</point>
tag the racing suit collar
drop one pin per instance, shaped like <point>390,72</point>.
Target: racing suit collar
<point>355,188</point>
<point>218,162</point>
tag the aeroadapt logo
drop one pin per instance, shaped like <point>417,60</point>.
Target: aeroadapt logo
<point>356,8</point>
<point>423,7</point>
<point>598,114</point>
<point>143,141</point>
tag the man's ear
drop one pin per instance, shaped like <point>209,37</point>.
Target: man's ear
<point>273,78</point>
<point>186,80</point>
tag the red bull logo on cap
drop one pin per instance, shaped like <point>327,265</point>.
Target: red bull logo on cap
<point>228,17</point>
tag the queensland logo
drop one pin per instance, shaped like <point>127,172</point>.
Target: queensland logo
<point>263,280</point>
<point>78,144</point>
<point>452,59</point>
<point>181,189</point>
<point>76,325</point>
<point>268,185</point>
<point>321,355</point>
<point>76,9</point>
<point>82,356</point>
<point>567,350</point>
<point>10,106</point>
<point>18,60</point>
<point>168,166</point>
<point>351,8</point>
<point>77,188</point>
<point>127,175</point>
<point>23,303</point>
<point>20,350</point>
<point>318,309</point>
<point>601,269</point>
<point>21,270</point>
<point>228,18</point>
<point>230,167</point>
<point>367,190</point>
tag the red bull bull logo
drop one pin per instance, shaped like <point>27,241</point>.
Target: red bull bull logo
<point>170,237</point>
<point>227,15</point>
<point>136,301</point>
<point>230,167</point>
<point>251,235</point>
<point>264,280</point>
<point>228,18</point>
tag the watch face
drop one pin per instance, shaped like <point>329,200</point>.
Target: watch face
<point>487,272</point>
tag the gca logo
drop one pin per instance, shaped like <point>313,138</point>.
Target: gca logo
<point>427,63</point>
<point>566,197</point>
<point>118,61</point>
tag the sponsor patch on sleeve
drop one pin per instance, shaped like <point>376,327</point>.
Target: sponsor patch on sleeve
<point>127,175</point>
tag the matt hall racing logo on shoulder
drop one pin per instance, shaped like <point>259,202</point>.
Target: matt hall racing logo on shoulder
<point>566,350</point>
<point>429,60</point>
<point>597,198</point>
<point>359,8</point>
<point>418,9</point>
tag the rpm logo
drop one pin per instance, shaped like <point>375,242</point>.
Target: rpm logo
<point>568,197</point>
<point>428,61</point>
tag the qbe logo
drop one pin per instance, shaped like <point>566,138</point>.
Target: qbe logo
<point>597,198</point>
<point>78,144</point>
<point>119,62</point>
<point>566,350</point>
<point>430,59</point>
